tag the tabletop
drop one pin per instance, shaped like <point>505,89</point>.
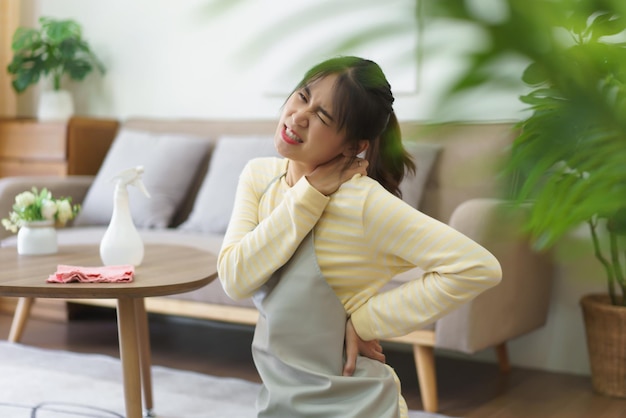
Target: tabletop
<point>166,269</point>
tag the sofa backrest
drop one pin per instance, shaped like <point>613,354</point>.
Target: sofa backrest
<point>468,166</point>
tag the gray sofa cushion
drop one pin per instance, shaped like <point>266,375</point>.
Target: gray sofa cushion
<point>170,161</point>
<point>214,202</point>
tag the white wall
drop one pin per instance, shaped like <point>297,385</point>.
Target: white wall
<point>182,59</point>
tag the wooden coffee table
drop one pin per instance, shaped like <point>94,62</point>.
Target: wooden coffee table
<point>165,270</point>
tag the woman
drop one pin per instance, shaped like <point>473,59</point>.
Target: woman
<point>314,235</point>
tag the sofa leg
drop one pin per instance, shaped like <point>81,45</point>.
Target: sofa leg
<point>503,357</point>
<point>425,362</point>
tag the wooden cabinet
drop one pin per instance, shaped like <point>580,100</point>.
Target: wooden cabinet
<point>31,147</point>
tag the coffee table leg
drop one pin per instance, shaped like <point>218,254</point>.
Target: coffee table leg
<point>143,334</point>
<point>129,354</point>
<point>22,311</point>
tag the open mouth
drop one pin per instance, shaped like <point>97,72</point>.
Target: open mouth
<point>290,136</point>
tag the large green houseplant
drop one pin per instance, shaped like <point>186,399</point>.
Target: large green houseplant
<point>570,154</point>
<point>55,50</point>
<point>569,162</point>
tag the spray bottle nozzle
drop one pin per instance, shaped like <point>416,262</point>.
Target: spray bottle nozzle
<point>132,176</point>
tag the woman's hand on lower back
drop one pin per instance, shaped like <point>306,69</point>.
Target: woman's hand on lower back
<point>355,345</point>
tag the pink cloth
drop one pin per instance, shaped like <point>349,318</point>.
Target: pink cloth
<point>105,274</point>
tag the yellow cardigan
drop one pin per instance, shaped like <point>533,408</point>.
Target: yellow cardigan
<point>363,237</point>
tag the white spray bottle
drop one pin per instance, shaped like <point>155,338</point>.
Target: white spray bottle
<point>121,243</point>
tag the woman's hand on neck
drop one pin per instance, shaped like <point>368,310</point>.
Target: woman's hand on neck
<point>327,177</point>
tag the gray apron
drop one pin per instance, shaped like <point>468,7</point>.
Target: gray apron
<point>298,350</point>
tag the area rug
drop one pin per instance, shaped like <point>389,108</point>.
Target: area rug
<point>42,383</point>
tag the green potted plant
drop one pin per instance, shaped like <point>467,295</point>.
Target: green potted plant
<point>34,218</point>
<point>569,162</point>
<point>583,178</point>
<point>56,49</point>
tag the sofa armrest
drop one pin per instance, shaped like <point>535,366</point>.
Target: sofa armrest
<point>67,186</point>
<point>519,304</point>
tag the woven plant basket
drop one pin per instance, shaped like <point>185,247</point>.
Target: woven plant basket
<point>605,325</point>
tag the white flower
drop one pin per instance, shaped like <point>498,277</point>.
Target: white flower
<point>24,199</point>
<point>38,205</point>
<point>9,226</point>
<point>48,209</point>
<point>64,211</point>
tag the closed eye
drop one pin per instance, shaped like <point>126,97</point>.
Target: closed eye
<point>320,112</point>
<point>328,119</point>
<point>321,116</point>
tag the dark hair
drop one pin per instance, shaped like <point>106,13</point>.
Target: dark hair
<point>363,105</point>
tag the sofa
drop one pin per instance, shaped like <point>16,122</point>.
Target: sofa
<point>191,169</point>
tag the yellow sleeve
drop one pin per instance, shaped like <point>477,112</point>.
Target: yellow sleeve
<point>456,269</point>
<point>255,248</point>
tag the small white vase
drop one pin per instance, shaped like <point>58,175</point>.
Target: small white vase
<point>37,237</point>
<point>55,105</point>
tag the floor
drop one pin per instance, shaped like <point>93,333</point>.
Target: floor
<point>467,388</point>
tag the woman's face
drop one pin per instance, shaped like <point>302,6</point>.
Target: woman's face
<point>307,131</point>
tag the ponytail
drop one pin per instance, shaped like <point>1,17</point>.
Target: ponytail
<point>388,161</point>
